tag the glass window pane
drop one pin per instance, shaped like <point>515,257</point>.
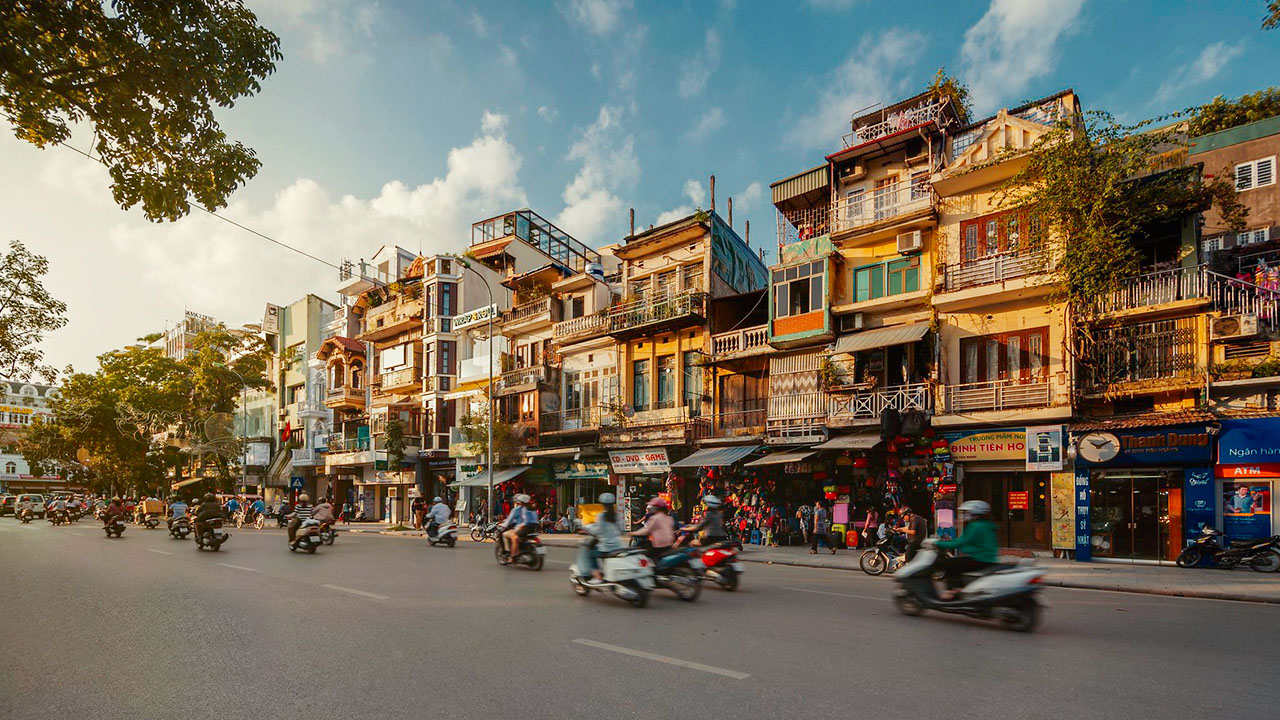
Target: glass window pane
<point>1013,348</point>
<point>817,301</point>
<point>792,272</point>
<point>861,285</point>
<point>911,276</point>
<point>877,281</point>
<point>993,238</point>
<point>993,361</point>
<point>780,301</point>
<point>969,367</point>
<point>1035,354</point>
<point>895,278</point>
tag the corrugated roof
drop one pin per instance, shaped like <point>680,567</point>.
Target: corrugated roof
<point>482,479</point>
<point>1144,420</point>
<point>716,457</point>
<point>881,337</point>
<point>783,457</point>
<point>1236,135</point>
<point>801,183</point>
<point>860,441</point>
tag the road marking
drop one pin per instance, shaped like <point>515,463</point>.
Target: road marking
<point>839,594</point>
<point>159,552</point>
<point>237,567</point>
<point>76,534</point>
<point>353,591</point>
<point>560,562</point>
<point>664,659</point>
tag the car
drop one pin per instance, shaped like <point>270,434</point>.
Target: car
<point>7,504</point>
<point>37,503</point>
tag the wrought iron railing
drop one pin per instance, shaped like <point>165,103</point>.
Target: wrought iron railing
<point>339,443</point>
<point>804,223</point>
<point>999,395</point>
<point>584,418</point>
<point>871,404</point>
<point>895,122</point>
<point>1158,288</point>
<point>1140,353</point>
<point>650,311</point>
<point>882,203</point>
<point>995,269</point>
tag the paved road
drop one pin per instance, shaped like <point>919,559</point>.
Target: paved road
<point>388,627</point>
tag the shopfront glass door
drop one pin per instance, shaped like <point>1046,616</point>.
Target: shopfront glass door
<point>1019,506</point>
<point>1136,514</point>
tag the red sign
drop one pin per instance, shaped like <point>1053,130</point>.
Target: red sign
<point>1260,470</point>
<point>1019,499</point>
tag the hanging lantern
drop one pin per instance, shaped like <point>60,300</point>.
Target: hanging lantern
<point>902,440</point>
<point>861,462</point>
<point>940,444</point>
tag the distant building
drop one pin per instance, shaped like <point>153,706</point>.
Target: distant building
<point>20,405</point>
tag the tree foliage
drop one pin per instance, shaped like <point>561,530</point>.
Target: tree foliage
<point>1222,114</point>
<point>1272,20</point>
<point>394,442</point>
<point>944,85</point>
<point>146,75</point>
<point>507,445</point>
<point>27,312</point>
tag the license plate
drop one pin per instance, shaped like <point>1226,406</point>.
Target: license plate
<point>738,567</point>
<point>540,550</point>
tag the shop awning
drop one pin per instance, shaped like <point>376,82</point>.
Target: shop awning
<point>881,337</point>
<point>716,457</point>
<point>499,477</point>
<point>860,441</point>
<point>783,457</point>
<point>185,483</point>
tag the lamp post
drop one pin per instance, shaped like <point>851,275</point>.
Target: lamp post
<point>489,411</point>
<point>244,419</point>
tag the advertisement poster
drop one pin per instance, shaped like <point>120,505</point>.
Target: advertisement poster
<point>1044,448</point>
<point>1246,509</point>
<point>1198,496</point>
<point>1062,508</point>
<point>1019,499</point>
<point>632,462</point>
<point>987,445</point>
<point>1084,525</point>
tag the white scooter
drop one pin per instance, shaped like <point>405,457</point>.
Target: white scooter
<point>628,573</point>
<point>308,536</point>
<point>1005,592</point>
<point>446,534</point>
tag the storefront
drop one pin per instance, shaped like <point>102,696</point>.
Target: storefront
<point>1141,492</point>
<point>1247,470</point>
<point>640,474</point>
<point>581,482</point>
<point>384,495</point>
<point>1011,470</point>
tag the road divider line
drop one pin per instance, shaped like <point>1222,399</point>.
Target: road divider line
<point>664,659</point>
<point>76,534</point>
<point>353,591</point>
<point>237,567</point>
<point>159,552</point>
<point>560,562</point>
<point>838,594</point>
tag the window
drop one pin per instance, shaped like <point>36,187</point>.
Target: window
<point>667,284</point>
<point>357,375</point>
<point>799,289</point>
<point>919,185</point>
<point>666,382</point>
<point>448,352</point>
<point>393,357</point>
<point>11,468</point>
<point>893,277</point>
<point>1256,174</point>
<point>572,390</point>
<point>528,407</point>
<point>1250,237</point>
<point>446,266</point>
<point>691,277</point>
<point>639,289</point>
<point>1212,245</point>
<point>853,203</point>
<point>296,394</point>
<point>1011,232</point>
<point>336,375</point>
<point>1015,356</point>
<point>577,306</point>
<point>447,291</point>
<point>640,385</point>
<point>692,384</point>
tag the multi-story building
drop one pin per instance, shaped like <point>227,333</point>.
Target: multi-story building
<point>20,405</point>
<point>177,339</point>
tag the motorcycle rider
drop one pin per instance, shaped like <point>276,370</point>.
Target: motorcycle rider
<point>711,527</point>
<point>177,511</point>
<point>323,511</point>
<point>977,542</point>
<point>522,521</point>
<point>208,510</point>
<point>658,530</point>
<point>73,507</point>
<point>115,509</point>
<point>257,508</point>
<point>25,507</point>
<point>57,507</point>
<point>607,534</point>
<point>301,511</point>
<point>437,515</point>
<point>916,529</point>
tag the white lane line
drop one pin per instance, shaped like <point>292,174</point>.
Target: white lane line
<point>353,591</point>
<point>237,567</point>
<point>560,562</point>
<point>159,552</point>
<point>838,594</point>
<point>664,659</point>
<point>76,534</point>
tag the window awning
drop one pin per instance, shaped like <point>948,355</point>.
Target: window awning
<point>716,457</point>
<point>499,477</point>
<point>185,483</point>
<point>860,441</point>
<point>881,337</point>
<point>783,457</point>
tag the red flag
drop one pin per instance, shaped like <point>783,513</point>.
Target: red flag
<point>288,430</point>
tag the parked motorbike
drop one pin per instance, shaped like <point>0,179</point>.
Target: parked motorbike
<point>445,534</point>
<point>1007,593</point>
<point>328,533</point>
<point>680,571</point>
<point>627,573</point>
<point>151,521</point>
<point>211,536</point>
<point>1261,554</point>
<point>308,536</point>
<point>481,532</point>
<point>114,527</point>
<point>529,553</point>
<point>885,556</point>
<point>180,528</point>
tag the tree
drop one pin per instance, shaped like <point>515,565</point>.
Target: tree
<point>1272,20</point>
<point>1222,114</point>
<point>145,75</point>
<point>474,427</point>
<point>27,312</point>
<point>944,85</point>
<point>394,441</point>
<point>221,364</point>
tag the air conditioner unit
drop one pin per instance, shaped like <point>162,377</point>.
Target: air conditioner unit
<point>856,171</point>
<point>851,323</point>
<point>909,242</point>
<point>1231,327</point>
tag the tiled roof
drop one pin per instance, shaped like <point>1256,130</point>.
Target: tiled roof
<point>1143,420</point>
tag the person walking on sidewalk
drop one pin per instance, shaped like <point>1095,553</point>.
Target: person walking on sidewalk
<point>821,529</point>
<point>805,516</point>
<point>917,529</point>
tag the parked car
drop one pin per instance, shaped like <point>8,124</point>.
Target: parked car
<point>7,504</point>
<point>37,503</point>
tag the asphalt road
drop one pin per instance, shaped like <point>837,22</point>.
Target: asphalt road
<point>376,626</point>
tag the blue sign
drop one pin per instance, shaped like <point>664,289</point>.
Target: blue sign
<point>1084,528</point>
<point>295,482</point>
<point>1243,442</point>
<point>1185,445</point>
<point>1199,502</point>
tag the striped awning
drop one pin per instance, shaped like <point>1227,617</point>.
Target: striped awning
<point>716,457</point>
<point>482,479</point>
<point>881,337</point>
<point>782,457</point>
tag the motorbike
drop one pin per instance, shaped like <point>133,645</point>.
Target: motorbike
<point>180,528</point>
<point>238,518</point>
<point>211,536</point>
<point>481,532</point>
<point>58,517</point>
<point>282,519</point>
<point>1008,593</point>
<point>259,521</point>
<point>328,533</point>
<point>721,565</point>
<point>114,527</point>
<point>529,553</point>
<point>627,573</point>
<point>25,516</point>
<point>680,571</point>
<point>151,521</point>
<point>1261,554</point>
<point>885,556</point>
<point>308,536</point>
<point>446,534</point>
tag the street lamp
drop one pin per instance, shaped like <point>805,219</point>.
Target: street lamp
<point>244,419</point>
<point>489,448</point>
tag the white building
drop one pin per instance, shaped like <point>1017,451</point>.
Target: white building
<point>21,404</point>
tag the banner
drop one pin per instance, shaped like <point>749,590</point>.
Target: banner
<point>1198,502</point>
<point>1044,448</point>
<point>271,320</point>
<point>1062,509</point>
<point>580,469</point>
<point>1084,528</point>
<point>1144,447</point>
<point>1249,441</point>
<point>987,445</point>
<point>1246,509</point>
<point>650,460</point>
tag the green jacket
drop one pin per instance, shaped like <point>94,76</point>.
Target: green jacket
<point>978,541</point>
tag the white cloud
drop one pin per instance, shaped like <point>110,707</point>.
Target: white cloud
<point>595,70</point>
<point>697,194</point>
<point>593,209</point>
<point>695,71</point>
<point>599,17</point>
<point>478,24</point>
<point>1211,60</point>
<point>325,29</point>
<point>548,113</point>
<point>1012,45</point>
<point>747,199</point>
<point>711,121</point>
<point>493,123</point>
<point>876,71</point>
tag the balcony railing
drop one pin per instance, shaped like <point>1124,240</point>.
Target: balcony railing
<point>894,123</point>
<point>585,418</point>
<point>398,314</point>
<point>398,378</point>
<point>742,418</point>
<point>883,203</point>
<point>339,443</point>
<point>524,376</point>
<point>995,269</point>
<point>998,395</point>
<point>740,340</point>
<point>1137,355</point>
<point>652,311</point>
<point>798,406</point>
<point>871,404</point>
<point>344,395</point>
<point>584,326</point>
<point>312,408</point>
<point>538,310</point>
<point>794,225</point>
<point>1158,288</point>
<point>680,419</point>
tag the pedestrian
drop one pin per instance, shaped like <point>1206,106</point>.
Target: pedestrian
<point>871,526</point>
<point>917,529</point>
<point>419,507</point>
<point>805,516</point>
<point>346,513</point>
<point>821,528</point>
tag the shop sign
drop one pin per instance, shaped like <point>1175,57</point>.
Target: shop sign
<point>1246,509</point>
<point>580,469</point>
<point>1062,510</point>
<point>1199,508</point>
<point>987,445</point>
<point>1083,529</point>
<point>1259,470</point>
<point>1044,448</point>
<point>652,460</point>
<point>258,454</point>
<point>1019,499</point>
<point>391,477</point>
<point>475,317</point>
<point>1249,441</point>
<point>1144,447</point>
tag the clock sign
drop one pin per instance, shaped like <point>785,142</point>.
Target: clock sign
<point>1098,447</point>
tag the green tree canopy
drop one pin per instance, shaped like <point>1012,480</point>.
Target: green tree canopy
<point>146,76</point>
<point>944,85</point>
<point>1272,20</point>
<point>27,312</point>
<point>1222,114</point>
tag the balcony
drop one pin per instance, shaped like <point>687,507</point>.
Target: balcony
<point>741,419</point>
<point>652,314</point>
<point>526,378</point>
<point>895,123</point>
<point>487,236</point>
<point>665,426</point>
<point>392,318</point>
<point>995,269</point>
<point>798,417</point>
<point>802,224</point>
<point>1163,287</point>
<point>880,205</point>
<point>313,409</point>
<point>747,341</point>
<point>338,443</point>
<point>344,398</point>
<point>528,316</point>
<point>576,419</point>
<point>870,404</point>
<point>355,278</point>
<point>307,457</point>
<point>1134,358</point>
<point>402,379</point>
<point>998,395</point>
<point>580,328</point>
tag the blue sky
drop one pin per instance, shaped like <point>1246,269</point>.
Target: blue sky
<point>405,121</point>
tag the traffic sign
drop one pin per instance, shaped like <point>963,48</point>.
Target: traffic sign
<point>295,482</point>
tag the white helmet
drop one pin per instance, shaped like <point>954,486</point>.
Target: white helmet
<point>711,501</point>
<point>436,499</point>
<point>607,499</point>
<point>522,498</point>
<point>975,507</point>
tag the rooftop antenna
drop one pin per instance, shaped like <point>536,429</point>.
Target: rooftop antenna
<point>748,238</point>
<point>713,193</point>
<point>633,223</point>
<point>730,212</point>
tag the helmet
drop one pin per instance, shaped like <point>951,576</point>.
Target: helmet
<point>975,507</point>
<point>436,499</point>
<point>522,498</point>
<point>210,497</point>
<point>115,499</point>
<point>658,503</point>
<point>304,498</point>
<point>607,499</point>
<point>194,501</point>
<point>711,501</point>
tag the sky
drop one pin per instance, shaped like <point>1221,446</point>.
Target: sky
<point>404,121</point>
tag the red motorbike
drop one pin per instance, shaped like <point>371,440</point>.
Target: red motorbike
<point>720,561</point>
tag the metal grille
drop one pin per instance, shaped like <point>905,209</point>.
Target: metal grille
<point>1260,348</point>
<point>1163,349</point>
